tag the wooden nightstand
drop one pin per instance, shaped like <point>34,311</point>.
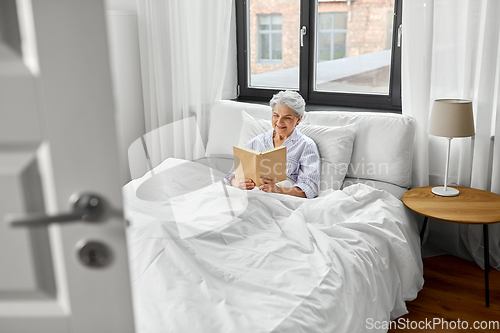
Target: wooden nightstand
<point>471,206</point>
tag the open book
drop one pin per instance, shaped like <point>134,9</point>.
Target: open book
<point>251,164</point>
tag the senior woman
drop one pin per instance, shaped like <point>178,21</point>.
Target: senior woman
<point>303,161</point>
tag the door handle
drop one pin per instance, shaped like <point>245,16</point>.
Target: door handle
<point>88,207</point>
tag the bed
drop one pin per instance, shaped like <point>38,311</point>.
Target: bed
<point>207,257</point>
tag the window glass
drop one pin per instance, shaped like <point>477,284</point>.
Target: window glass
<point>264,47</point>
<point>339,46</point>
<point>325,21</point>
<point>340,21</point>
<point>276,47</point>
<point>345,54</point>
<point>264,22</point>
<point>276,22</point>
<point>273,60</point>
<point>269,42</point>
<point>331,34</point>
<point>324,46</point>
<point>360,52</point>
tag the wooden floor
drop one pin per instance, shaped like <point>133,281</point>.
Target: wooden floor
<point>453,290</point>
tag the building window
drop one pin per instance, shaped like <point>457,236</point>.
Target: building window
<point>269,29</point>
<point>332,35</point>
<point>347,55</point>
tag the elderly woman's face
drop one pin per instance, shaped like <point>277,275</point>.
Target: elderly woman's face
<point>284,120</point>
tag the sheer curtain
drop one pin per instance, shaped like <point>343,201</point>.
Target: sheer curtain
<point>184,53</point>
<point>451,49</point>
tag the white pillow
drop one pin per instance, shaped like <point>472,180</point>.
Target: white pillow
<point>252,127</point>
<point>334,144</point>
<point>335,149</point>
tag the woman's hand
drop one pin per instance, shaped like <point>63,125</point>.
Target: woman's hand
<point>243,184</point>
<point>268,186</point>
<point>271,187</point>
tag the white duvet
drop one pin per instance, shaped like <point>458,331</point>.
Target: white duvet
<point>210,258</point>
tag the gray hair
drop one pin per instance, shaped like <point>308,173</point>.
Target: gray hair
<point>290,98</point>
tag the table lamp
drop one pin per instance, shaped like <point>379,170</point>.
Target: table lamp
<point>450,118</point>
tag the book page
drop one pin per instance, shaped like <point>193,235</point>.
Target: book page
<point>245,163</point>
<point>272,164</point>
<point>253,165</point>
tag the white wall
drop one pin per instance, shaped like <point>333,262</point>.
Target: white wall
<point>123,40</point>
<point>129,5</point>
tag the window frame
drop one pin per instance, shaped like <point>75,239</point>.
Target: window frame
<point>390,102</point>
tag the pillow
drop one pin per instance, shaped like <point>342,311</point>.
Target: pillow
<point>383,148</point>
<point>334,144</point>
<point>226,122</point>
<point>252,127</point>
<point>335,149</point>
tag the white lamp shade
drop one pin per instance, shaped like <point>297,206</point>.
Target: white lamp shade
<point>451,118</point>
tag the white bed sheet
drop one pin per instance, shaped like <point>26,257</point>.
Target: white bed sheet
<point>262,262</point>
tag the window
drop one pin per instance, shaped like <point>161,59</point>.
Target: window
<point>270,38</point>
<point>332,35</point>
<point>341,53</point>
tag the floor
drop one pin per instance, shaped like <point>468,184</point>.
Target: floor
<point>453,299</point>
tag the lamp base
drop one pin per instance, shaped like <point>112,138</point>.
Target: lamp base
<point>450,191</point>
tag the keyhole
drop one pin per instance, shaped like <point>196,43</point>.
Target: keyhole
<point>94,257</point>
<point>94,254</point>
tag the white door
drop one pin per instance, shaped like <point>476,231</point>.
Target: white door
<point>57,141</point>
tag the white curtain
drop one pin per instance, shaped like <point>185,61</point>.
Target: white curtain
<point>451,49</point>
<point>184,53</point>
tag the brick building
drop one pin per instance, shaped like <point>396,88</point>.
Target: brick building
<point>344,29</point>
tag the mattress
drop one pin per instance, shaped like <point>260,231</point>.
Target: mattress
<point>206,257</point>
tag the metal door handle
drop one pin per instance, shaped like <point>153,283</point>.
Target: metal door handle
<point>87,207</point>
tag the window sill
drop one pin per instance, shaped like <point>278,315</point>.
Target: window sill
<point>319,107</point>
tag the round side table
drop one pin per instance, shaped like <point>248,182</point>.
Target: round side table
<point>471,206</point>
